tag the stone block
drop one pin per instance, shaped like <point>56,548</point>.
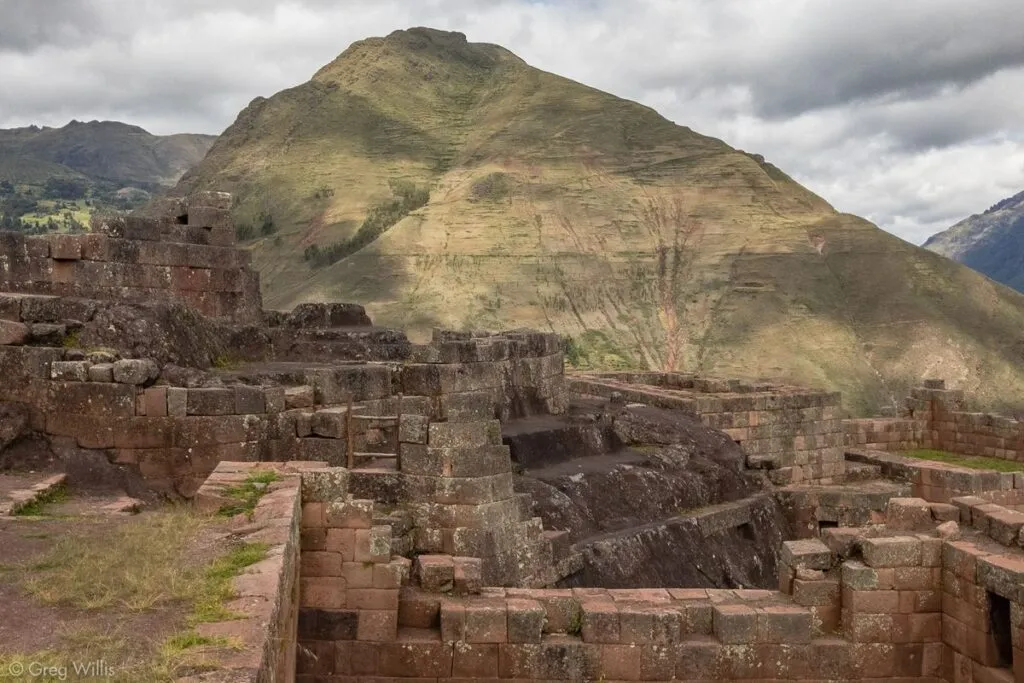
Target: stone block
<point>893,551</point>
<point>525,621</point>
<point>468,575</point>
<point>325,485</point>
<point>65,247</point>
<point>821,592</point>
<point>436,573</point>
<point>349,514</point>
<point>413,429</point>
<point>453,622</point>
<point>378,625</point>
<point>486,622</point>
<point>135,371</point>
<point>341,541</point>
<point>909,514</point>
<point>460,435</point>
<point>600,621</point>
<point>784,624</point>
<point>13,333</point>
<point>70,371</point>
<point>249,400</point>
<point>329,422</point>
<point>735,624</point>
<point>808,553</point>
<point>155,400</point>
<point>273,399</point>
<point>298,397</point>
<point>177,401</point>
<point>210,401</point>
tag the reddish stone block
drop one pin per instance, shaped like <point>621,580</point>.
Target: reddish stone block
<point>648,624</point>
<point>915,578</point>
<point>357,574</point>
<point>735,624</point>
<point>808,593</point>
<point>312,515</point>
<point>415,659</point>
<point>349,514</point>
<point>320,564</point>
<point>486,622</point>
<point>700,659</point>
<point>210,401</point>
<point>525,620</point>
<point>621,662</point>
<point>468,575</point>
<point>389,575</point>
<point>313,539</point>
<point>353,658</point>
<point>479,660</point>
<point>378,625</point>
<point>155,400</point>
<point>436,573</point>
<point>341,541</point>
<point>784,624</point>
<point>417,609</point>
<point>871,602</point>
<point>453,621</point>
<point>868,628</point>
<point>892,551</point>
<point>600,622</point>
<point>373,598</point>
<point>323,592</point>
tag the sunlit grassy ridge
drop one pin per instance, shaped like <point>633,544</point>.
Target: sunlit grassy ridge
<point>648,243</point>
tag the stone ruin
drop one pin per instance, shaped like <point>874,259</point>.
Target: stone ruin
<point>466,510</point>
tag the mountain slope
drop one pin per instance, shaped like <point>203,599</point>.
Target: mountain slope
<point>100,151</point>
<point>991,243</point>
<point>557,206</point>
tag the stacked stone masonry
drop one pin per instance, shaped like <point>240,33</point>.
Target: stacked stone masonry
<point>936,417</point>
<point>187,256</point>
<point>794,434</point>
<point>902,601</point>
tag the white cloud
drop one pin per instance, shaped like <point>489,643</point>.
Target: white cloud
<point>907,113</point>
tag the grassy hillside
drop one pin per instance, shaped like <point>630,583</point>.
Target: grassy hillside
<point>553,205</point>
<point>53,178</point>
<point>991,243</point>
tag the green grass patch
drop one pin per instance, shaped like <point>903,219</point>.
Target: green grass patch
<point>37,508</point>
<point>974,462</point>
<point>248,493</point>
<point>136,566</point>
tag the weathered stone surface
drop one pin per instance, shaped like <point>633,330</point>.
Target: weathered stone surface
<point>135,371</point>
<point>12,332</point>
<point>70,371</point>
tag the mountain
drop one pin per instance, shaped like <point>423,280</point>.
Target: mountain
<point>102,151</point>
<point>442,182</point>
<point>49,173</point>
<point>991,243</point>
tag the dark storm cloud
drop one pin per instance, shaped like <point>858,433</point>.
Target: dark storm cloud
<point>906,111</point>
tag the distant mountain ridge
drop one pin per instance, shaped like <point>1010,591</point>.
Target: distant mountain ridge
<point>991,242</point>
<point>442,182</point>
<point>102,151</point>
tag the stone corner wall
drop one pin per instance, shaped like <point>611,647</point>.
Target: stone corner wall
<point>937,417</point>
<point>188,255</point>
<point>267,593</point>
<point>795,434</point>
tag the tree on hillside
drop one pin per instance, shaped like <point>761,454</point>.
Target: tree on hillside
<point>65,188</point>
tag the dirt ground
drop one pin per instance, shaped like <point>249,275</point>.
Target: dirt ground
<point>127,639</point>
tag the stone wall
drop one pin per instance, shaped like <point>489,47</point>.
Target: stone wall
<point>189,256</point>
<point>794,434</point>
<point>894,602</point>
<point>265,608</point>
<point>936,417</point>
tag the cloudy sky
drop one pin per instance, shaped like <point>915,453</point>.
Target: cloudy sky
<point>908,112</point>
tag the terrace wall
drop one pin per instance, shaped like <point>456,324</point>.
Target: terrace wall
<point>187,257</point>
<point>795,434</point>
<point>936,417</point>
<point>894,603</point>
